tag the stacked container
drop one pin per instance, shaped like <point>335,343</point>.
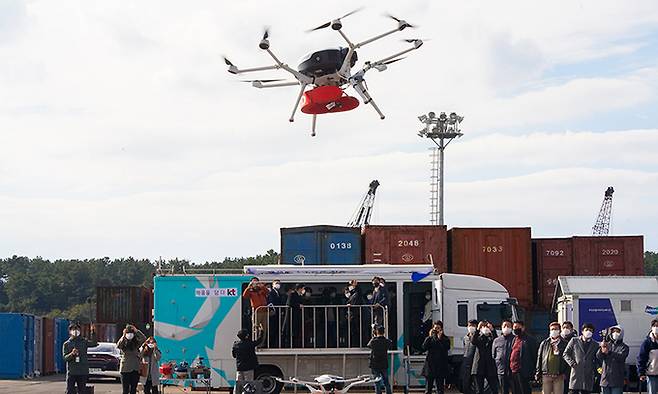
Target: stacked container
<point>502,254</point>
<point>61,336</point>
<point>553,257</point>
<point>321,245</point>
<point>406,245</point>
<point>124,304</point>
<point>611,255</point>
<point>17,355</point>
<point>48,346</point>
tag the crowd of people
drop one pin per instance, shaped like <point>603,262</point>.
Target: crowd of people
<point>279,313</point>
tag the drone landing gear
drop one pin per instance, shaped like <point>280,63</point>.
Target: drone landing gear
<point>326,99</point>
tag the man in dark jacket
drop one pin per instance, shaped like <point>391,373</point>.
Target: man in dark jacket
<point>465,375</point>
<point>551,366</point>
<point>647,359</point>
<point>359,325</point>
<point>502,347</point>
<point>75,354</point>
<point>275,299</point>
<point>580,354</point>
<point>613,352</point>
<point>484,367</point>
<point>567,333</point>
<point>244,353</point>
<point>379,346</point>
<point>522,359</point>
<point>292,326</point>
<point>437,365</point>
<point>380,300</point>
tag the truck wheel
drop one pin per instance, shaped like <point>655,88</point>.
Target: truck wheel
<point>267,374</point>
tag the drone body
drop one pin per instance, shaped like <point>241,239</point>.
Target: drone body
<point>324,75</point>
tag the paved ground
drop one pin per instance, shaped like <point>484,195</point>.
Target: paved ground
<point>55,385</point>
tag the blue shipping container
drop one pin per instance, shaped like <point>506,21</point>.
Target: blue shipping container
<point>29,346</point>
<point>14,356</point>
<point>321,245</point>
<point>61,336</point>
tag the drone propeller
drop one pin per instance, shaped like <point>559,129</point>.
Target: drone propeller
<point>412,40</point>
<point>327,24</point>
<point>394,60</point>
<point>403,22</point>
<point>266,33</point>
<point>228,62</point>
<point>261,80</point>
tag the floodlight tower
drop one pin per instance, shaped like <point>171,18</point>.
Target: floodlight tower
<point>441,130</point>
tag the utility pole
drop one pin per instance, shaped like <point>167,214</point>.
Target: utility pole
<point>441,130</point>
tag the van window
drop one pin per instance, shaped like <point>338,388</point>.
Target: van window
<point>494,313</point>
<point>462,315</point>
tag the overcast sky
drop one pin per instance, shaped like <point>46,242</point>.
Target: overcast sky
<point>122,134</point>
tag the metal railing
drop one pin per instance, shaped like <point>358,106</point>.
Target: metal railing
<point>317,326</point>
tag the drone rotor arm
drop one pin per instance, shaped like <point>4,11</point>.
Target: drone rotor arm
<point>299,76</point>
<point>263,84</point>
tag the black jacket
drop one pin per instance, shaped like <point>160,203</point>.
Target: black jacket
<point>483,362</point>
<point>380,297</point>
<point>244,353</point>
<point>545,348</point>
<point>648,345</point>
<point>528,356</point>
<point>379,347</point>
<point>275,298</point>
<point>613,370</point>
<point>355,297</point>
<point>436,361</point>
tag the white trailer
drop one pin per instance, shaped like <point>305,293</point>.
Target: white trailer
<point>606,301</point>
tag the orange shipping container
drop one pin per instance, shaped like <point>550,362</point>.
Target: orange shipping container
<point>502,254</point>
<point>611,255</point>
<point>553,257</point>
<point>48,344</point>
<point>406,245</point>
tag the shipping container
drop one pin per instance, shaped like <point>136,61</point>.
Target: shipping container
<point>406,245</point>
<point>38,345</point>
<point>124,304</point>
<point>105,332</point>
<point>610,255</point>
<point>61,336</point>
<point>552,257</point>
<point>502,254</point>
<point>15,359</point>
<point>321,245</point>
<point>48,346</point>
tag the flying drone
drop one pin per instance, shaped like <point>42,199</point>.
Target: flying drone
<point>331,384</point>
<point>324,75</point>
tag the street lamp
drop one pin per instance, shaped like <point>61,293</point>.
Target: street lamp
<point>441,130</point>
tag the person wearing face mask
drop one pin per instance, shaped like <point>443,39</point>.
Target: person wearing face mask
<point>580,354</point>
<point>131,360</point>
<point>551,366</point>
<point>502,347</point>
<point>257,294</point>
<point>613,353</point>
<point>466,378</point>
<point>151,356</point>
<point>522,359</point>
<point>380,300</point>
<point>358,325</point>
<point>484,367</point>
<point>292,326</point>
<point>437,363</point>
<point>275,300</point>
<point>647,359</point>
<point>74,351</point>
<point>567,333</point>
<point>309,333</point>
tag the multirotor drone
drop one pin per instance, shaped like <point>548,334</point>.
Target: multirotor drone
<point>329,72</point>
<point>331,384</point>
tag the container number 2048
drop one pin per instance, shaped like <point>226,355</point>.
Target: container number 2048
<point>413,242</point>
<point>492,249</point>
<point>340,245</point>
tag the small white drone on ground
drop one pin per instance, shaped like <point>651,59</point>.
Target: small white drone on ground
<point>328,72</point>
<point>331,384</point>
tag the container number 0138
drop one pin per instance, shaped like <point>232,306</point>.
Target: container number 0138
<point>340,245</point>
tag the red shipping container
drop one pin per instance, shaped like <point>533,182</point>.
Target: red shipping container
<point>124,304</point>
<point>611,255</point>
<point>406,245</point>
<point>502,254</point>
<point>48,344</point>
<point>553,257</point>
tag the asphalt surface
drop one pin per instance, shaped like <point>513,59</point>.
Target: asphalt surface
<point>55,384</point>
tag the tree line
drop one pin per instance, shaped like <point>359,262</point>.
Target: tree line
<point>67,288</point>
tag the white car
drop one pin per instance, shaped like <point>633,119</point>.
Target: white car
<point>104,361</point>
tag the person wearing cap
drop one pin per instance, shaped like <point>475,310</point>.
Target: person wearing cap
<point>551,367</point>
<point>131,359</point>
<point>613,353</point>
<point>244,353</point>
<point>580,354</point>
<point>74,351</point>
<point>379,346</point>
<point>647,359</point>
<point>291,332</point>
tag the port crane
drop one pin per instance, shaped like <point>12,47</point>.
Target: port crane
<point>602,225</point>
<point>363,212</point>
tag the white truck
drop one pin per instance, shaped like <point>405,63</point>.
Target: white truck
<point>198,315</point>
<point>606,301</point>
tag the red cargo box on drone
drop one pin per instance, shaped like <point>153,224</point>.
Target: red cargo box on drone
<point>406,245</point>
<point>553,257</point>
<point>609,255</point>
<point>502,254</point>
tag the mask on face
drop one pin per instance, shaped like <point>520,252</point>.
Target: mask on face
<point>616,336</point>
<point>506,330</point>
<point>555,333</point>
<point>151,345</point>
<point>375,284</point>
<point>428,297</point>
<point>587,334</point>
<point>369,297</point>
<point>74,333</point>
<point>566,332</point>
<point>130,336</point>
<point>471,329</point>
<point>350,288</point>
<point>277,286</point>
<point>485,331</point>
<point>347,294</point>
<point>518,331</point>
<point>654,330</point>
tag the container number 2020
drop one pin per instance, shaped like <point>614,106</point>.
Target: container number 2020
<point>492,249</point>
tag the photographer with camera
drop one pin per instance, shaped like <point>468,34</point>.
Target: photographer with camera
<point>437,365</point>
<point>613,352</point>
